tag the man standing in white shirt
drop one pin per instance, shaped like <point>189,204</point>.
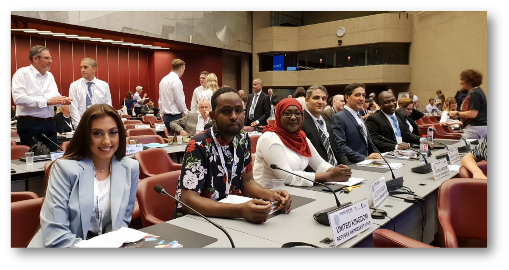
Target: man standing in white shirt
<point>198,90</point>
<point>139,100</point>
<point>87,91</point>
<point>35,94</point>
<point>171,93</point>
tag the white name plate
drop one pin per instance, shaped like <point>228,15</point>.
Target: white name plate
<point>141,126</point>
<point>149,114</point>
<point>379,191</point>
<point>55,155</point>
<point>454,155</point>
<point>160,127</point>
<point>131,149</point>
<point>350,221</point>
<point>440,168</point>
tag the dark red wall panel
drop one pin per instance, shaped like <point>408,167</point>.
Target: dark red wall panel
<point>37,40</point>
<point>134,78</point>
<point>123,67</point>
<point>22,50</point>
<point>114,77</point>
<point>78,53</point>
<point>54,50</point>
<point>143,77</point>
<point>102,63</point>
<point>91,51</point>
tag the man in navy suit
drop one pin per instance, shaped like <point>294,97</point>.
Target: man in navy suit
<point>389,131</point>
<point>258,106</point>
<point>349,138</point>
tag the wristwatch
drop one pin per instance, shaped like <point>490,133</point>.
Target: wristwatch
<point>458,114</point>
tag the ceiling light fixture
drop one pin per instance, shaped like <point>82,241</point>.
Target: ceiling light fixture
<point>23,30</point>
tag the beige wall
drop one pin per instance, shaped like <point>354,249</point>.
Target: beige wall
<point>313,17</point>
<point>230,70</point>
<point>443,45</point>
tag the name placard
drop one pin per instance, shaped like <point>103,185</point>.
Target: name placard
<point>131,149</point>
<point>454,155</point>
<point>160,127</point>
<point>379,191</point>
<point>350,221</point>
<point>440,168</point>
<point>149,114</point>
<point>141,126</point>
<point>55,155</point>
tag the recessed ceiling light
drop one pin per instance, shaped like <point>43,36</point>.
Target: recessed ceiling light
<point>106,40</point>
<point>117,42</point>
<point>126,43</point>
<point>59,34</point>
<point>35,31</point>
<point>50,33</point>
<point>146,46</point>
<point>23,30</point>
<point>96,39</point>
<point>84,38</point>
<point>71,35</point>
<point>137,45</point>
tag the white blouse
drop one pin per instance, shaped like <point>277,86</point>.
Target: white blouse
<point>102,205</point>
<point>271,150</point>
<point>447,119</point>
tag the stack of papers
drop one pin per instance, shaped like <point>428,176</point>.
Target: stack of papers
<point>379,163</point>
<point>234,199</point>
<point>404,154</point>
<point>113,239</point>
<point>454,168</point>
<point>353,181</point>
<point>155,145</point>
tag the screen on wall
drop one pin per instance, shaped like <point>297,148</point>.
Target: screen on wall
<point>279,62</point>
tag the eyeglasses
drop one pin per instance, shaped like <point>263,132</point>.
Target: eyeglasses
<point>289,115</point>
<point>45,58</point>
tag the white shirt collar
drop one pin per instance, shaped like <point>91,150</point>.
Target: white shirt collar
<point>36,72</point>
<point>388,115</point>
<point>351,110</point>
<point>93,80</point>
<point>312,116</point>
<point>199,116</point>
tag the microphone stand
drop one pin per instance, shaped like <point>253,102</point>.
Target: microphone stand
<point>159,189</point>
<point>393,184</point>
<point>323,215</point>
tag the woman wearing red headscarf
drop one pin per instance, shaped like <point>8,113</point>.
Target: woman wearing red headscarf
<point>286,145</point>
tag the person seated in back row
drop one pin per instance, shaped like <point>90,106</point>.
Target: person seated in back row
<point>205,179</point>
<point>193,123</point>
<point>149,108</point>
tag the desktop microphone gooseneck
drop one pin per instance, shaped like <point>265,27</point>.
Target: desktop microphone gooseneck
<point>44,135</point>
<point>159,189</point>
<point>393,184</point>
<point>422,169</point>
<point>321,216</point>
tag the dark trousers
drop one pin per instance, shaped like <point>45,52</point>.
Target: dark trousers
<point>130,112</point>
<point>137,111</point>
<point>28,128</point>
<point>167,120</point>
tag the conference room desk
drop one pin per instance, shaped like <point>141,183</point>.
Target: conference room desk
<point>299,224</point>
<point>25,172</point>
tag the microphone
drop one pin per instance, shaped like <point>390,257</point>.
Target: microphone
<point>159,189</point>
<point>393,184</point>
<point>422,169</point>
<point>466,147</point>
<point>44,135</point>
<point>321,216</point>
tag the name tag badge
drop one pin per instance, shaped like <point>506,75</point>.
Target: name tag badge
<point>131,149</point>
<point>454,156</point>
<point>160,127</point>
<point>149,114</point>
<point>379,191</point>
<point>55,155</point>
<point>141,126</point>
<point>350,221</point>
<point>440,168</point>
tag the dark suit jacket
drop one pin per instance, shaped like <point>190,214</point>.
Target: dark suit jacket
<point>272,98</point>
<point>327,114</point>
<point>348,138</point>
<point>60,123</point>
<point>379,125</point>
<point>401,113</point>
<point>313,135</point>
<point>262,110</point>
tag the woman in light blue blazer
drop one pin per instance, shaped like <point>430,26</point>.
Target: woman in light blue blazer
<point>92,188</point>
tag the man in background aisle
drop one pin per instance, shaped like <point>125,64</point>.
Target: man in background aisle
<point>258,106</point>
<point>338,103</point>
<point>171,93</point>
<point>272,97</point>
<point>198,90</point>
<point>35,94</point>
<point>149,108</point>
<point>139,101</point>
<point>193,123</point>
<point>87,91</point>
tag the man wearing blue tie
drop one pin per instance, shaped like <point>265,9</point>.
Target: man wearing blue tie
<point>87,91</point>
<point>388,131</point>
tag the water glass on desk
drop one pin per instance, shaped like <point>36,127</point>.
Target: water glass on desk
<point>179,139</point>
<point>29,158</point>
<point>278,184</point>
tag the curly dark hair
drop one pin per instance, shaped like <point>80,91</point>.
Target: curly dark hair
<point>299,92</point>
<point>472,77</point>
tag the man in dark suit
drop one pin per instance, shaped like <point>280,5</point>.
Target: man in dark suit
<point>348,137</point>
<point>258,106</point>
<point>272,96</point>
<point>314,124</point>
<point>389,131</point>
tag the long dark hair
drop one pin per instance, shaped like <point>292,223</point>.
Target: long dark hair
<point>129,96</point>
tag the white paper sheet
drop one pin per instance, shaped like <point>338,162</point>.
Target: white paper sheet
<point>454,168</point>
<point>380,163</point>
<point>351,182</point>
<point>113,239</point>
<point>234,199</point>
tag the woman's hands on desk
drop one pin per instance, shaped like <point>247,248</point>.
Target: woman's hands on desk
<point>340,173</point>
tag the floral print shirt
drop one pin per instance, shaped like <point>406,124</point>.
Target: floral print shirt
<point>203,172</point>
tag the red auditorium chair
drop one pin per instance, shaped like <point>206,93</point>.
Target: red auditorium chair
<point>134,122</point>
<point>155,161</point>
<point>14,133</point>
<point>23,195</point>
<point>18,151</point>
<point>24,221</point>
<point>64,145</point>
<point>125,116</point>
<point>145,139</point>
<point>465,173</point>
<point>254,142</point>
<point>384,238</point>
<point>141,131</point>
<point>13,142</point>
<point>152,120</point>
<point>439,133</point>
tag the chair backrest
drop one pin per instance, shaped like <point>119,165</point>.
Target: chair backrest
<point>434,119</point>
<point>144,139</point>
<point>64,145</point>
<point>135,122</point>
<point>465,173</point>
<point>463,209</point>
<point>13,142</point>
<point>125,116</point>
<point>141,131</point>
<point>248,128</point>
<point>419,122</point>
<point>427,120</point>
<point>130,126</point>
<point>23,195</point>
<point>14,133</point>
<point>166,133</point>
<point>18,151</point>
<point>149,118</point>
<point>155,161</point>
<point>384,238</point>
<point>157,208</point>
<point>24,221</point>
<point>254,142</point>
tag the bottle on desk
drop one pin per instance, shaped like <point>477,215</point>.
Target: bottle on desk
<point>423,148</point>
<point>430,136</point>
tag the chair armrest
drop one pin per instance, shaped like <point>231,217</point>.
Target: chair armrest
<point>384,238</point>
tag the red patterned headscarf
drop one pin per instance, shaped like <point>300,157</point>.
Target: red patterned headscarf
<point>296,141</point>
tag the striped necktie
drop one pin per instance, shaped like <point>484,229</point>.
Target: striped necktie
<point>326,144</point>
<point>89,96</point>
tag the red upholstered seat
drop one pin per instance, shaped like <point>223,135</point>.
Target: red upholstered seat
<point>125,116</point>
<point>427,120</point>
<point>18,151</point>
<point>134,122</point>
<point>141,131</point>
<point>254,142</point>
<point>14,133</point>
<point>23,195</point>
<point>13,142</point>
<point>64,145</point>
<point>384,238</point>
<point>439,133</point>
<point>152,120</point>
<point>465,173</point>
<point>145,139</point>
<point>155,161</point>
<point>24,221</point>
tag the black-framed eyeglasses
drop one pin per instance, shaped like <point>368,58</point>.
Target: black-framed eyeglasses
<point>289,115</point>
